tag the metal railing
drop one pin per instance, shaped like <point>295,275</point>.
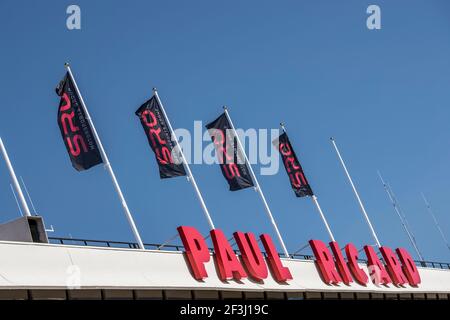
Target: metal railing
<point>172,247</point>
<point>111,244</point>
<point>433,264</point>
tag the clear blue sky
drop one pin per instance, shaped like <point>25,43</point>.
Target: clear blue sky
<point>384,95</point>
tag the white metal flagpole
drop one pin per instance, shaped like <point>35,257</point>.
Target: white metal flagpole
<point>257,186</point>
<point>316,203</point>
<point>427,204</point>
<point>361,205</point>
<point>397,210</point>
<point>108,164</point>
<point>314,199</point>
<point>186,165</point>
<point>16,184</point>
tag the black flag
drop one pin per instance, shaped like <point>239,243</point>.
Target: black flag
<point>75,130</point>
<point>233,164</point>
<point>293,168</point>
<point>160,139</point>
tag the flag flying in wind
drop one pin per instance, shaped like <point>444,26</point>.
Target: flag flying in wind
<point>75,130</point>
<point>160,139</point>
<point>293,168</point>
<point>232,162</point>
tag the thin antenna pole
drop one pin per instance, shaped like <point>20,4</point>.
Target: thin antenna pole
<point>401,211</point>
<point>28,195</point>
<point>108,164</point>
<point>186,165</point>
<point>258,188</point>
<point>402,220</point>
<point>316,203</point>
<point>16,184</point>
<point>430,211</point>
<point>361,205</point>
<point>17,201</point>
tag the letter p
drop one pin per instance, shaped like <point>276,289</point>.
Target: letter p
<point>196,250</point>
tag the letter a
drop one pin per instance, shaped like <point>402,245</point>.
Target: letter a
<point>74,20</point>
<point>374,20</point>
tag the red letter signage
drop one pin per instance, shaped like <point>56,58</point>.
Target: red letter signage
<point>377,271</point>
<point>409,267</point>
<point>251,255</point>
<point>280,273</point>
<point>227,261</point>
<point>325,262</point>
<point>397,269</point>
<point>196,250</point>
<point>352,257</point>
<point>340,263</point>
<point>393,266</point>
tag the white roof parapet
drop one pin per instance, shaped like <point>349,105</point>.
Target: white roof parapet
<point>52,266</point>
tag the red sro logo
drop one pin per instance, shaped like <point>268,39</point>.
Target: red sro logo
<point>226,160</point>
<point>75,141</point>
<point>163,154</point>
<point>293,168</point>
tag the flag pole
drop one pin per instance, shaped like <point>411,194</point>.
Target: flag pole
<point>186,165</point>
<point>427,204</point>
<point>314,198</point>
<point>108,164</point>
<point>316,203</point>
<point>16,184</point>
<point>258,188</point>
<point>402,220</point>
<point>361,205</point>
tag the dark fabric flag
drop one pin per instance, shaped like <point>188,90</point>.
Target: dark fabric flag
<point>232,162</point>
<point>160,139</point>
<point>293,168</point>
<point>75,130</point>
